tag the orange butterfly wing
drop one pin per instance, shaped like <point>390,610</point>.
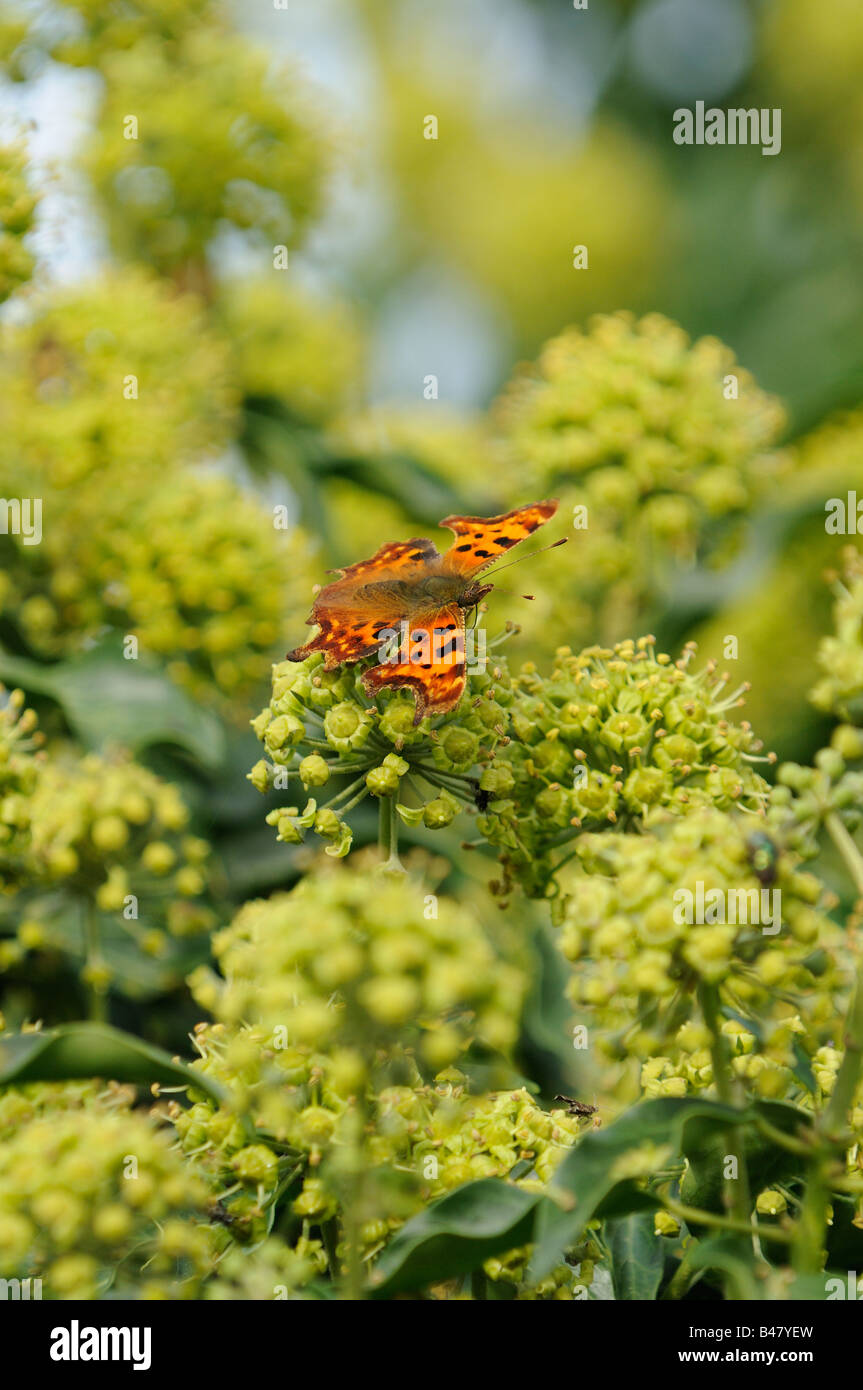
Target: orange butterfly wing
<point>480,540</point>
<point>436,674</point>
<point>353,610</point>
<point>375,595</point>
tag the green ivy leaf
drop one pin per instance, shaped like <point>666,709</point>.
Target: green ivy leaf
<point>705,1148</point>
<point>455,1235</point>
<point>637,1257</point>
<point>76,1051</point>
<point>596,1178</point>
<point>107,700</point>
<point>732,1256</point>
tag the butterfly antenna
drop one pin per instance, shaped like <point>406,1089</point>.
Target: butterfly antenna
<point>563,541</point>
<point>508,593</point>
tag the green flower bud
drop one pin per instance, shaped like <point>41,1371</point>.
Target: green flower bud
<point>397,721</point>
<point>555,804</point>
<point>158,858</point>
<point>440,812</point>
<point>457,749</point>
<point>644,787</point>
<point>328,824</point>
<point>848,742</point>
<point>286,730</point>
<point>830,762</point>
<point>255,1163</point>
<point>314,771</point>
<point>287,829</point>
<point>624,731</point>
<point>260,775</point>
<point>347,727</point>
<point>382,781</point>
<point>391,1000</point>
<point>798,778</point>
<point>770,1203</point>
<point>109,833</point>
<point>111,895</point>
<point>664,1224</point>
<point>498,780</point>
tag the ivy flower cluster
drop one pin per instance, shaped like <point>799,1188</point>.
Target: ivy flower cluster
<point>320,726</point>
<point>395,959</point>
<point>651,442</point>
<point>205,582</point>
<point>113,378</point>
<point>18,771</point>
<point>92,815</point>
<point>273,1269</point>
<point>82,33</point>
<point>18,205</point>
<point>96,1199</point>
<point>828,794</point>
<point>114,838</point>
<point>709,905</point>
<point>840,690</point>
<point>617,737</point>
<point>335,999</point>
<point>418,1141</point>
<point>303,351</point>
<point>194,167</point>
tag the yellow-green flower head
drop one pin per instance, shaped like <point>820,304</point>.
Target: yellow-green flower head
<point>302,350</point>
<point>359,961</point>
<point>18,775</point>
<point>304,1103</point>
<point>119,376</point>
<point>103,810</point>
<point>648,918</point>
<point>95,1198</point>
<point>221,139</point>
<point>193,566</point>
<point>806,797</point>
<point>272,1271</point>
<point>840,690</point>
<point>112,834</point>
<point>321,728</point>
<point>649,440</point>
<point>17,213</point>
<point>86,32</point>
<point>613,737</point>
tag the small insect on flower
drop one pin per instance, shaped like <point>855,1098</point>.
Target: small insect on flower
<point>575,1107</point>
<point>408,588</point>
<point>763,855</point>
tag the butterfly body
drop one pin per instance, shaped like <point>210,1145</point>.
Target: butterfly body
<point>429,590</point>
<point>407,589</point>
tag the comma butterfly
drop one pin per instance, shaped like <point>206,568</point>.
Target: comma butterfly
<point>408,587</point>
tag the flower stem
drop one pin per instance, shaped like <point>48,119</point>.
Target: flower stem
<point>694,1216</point>
<point>847,847</point>
<point>97,999</point>
<point>736,1188</point>
<point>355,1282</point>
<point>388,834</point>
<point>842,1098</point>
